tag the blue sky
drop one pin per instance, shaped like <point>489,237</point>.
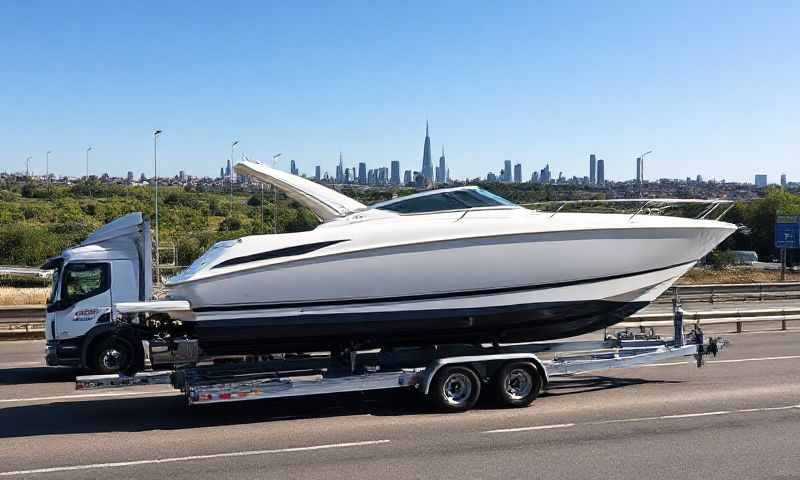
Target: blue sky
<point>711,87</point>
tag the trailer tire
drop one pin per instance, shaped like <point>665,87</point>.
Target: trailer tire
<point>455,388</point>
<point>111,355</point>
<point>517,384</point>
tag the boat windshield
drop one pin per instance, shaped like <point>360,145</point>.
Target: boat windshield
<point>446,200</point>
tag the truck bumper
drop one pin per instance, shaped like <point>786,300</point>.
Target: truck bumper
<point>64,352</point>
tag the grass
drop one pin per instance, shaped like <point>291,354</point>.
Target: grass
<point>23,296</point>
<point>698,276</point>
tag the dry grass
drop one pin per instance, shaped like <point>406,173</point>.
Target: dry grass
<point>23,296</point>
<point>698,276</point>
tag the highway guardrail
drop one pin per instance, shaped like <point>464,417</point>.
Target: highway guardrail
<point>731,292</point>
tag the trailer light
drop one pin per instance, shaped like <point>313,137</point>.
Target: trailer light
<point>224,396</point>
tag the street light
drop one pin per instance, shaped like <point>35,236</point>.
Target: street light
<point>275,197</point>
<point>155,174</point>
<point>87,170</point>
<point>47,166</point>
<point>230,182</point>
<point>642,182</point>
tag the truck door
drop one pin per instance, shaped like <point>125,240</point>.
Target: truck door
<point>85,297</point>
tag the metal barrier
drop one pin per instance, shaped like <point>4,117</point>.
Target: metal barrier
<point>732,291</point>
<point>714,317</point>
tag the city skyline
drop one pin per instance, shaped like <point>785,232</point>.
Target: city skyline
<point>507,86</point>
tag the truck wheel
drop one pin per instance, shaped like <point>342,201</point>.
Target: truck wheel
<point>455,389</point>
<point>112,355</point>
<point>517,384</point>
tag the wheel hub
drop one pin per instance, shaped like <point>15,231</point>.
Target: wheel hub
<point>457,389</point>
<point>518,383</point>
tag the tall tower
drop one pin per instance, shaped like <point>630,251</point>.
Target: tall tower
<point>506,171</point>
<point>592,169</point>
<point>601,172</point>
<point>427,165</point>
<point>442,169</point>
<point>639,172</point>
<point>228,169</point>
<point>395,177</point>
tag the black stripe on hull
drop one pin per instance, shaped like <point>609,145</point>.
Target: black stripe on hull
<point>516,323</point>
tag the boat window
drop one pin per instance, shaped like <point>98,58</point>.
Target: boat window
<point>84,280</point>
<point>427,203</point>
<point>448,200</point>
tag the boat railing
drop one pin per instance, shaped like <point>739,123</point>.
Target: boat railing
<point>713,205</point>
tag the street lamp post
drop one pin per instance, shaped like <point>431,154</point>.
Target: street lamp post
<point>87,170</point>
<point>155,174</point>
<point>642,182</point>
<point>230,182</point>
<point>275,197</point>
<point>47,167</point>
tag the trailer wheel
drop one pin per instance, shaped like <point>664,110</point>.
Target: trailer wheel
<point>455,389</point>
<point>517,384</point>
<point>111,355</point>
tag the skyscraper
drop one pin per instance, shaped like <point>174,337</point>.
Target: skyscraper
<point>317,173</point>
<point>518,173</point>
<point>395,178</point>
<point>639,170</point>
<point>427,164</point>
<point>362,173</point>
<point>592,169</point>
<point>221,172</point>
<point>506,171</point>
<point>228,169</point>
<point>442,169</point>
<point>783,180</point>
<point>340,170</point>
<point>407,177</point>
<point>761,180</point>
<point>601,172</point>
<point>293,168</point>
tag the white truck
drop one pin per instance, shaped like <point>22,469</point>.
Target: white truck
<point>114,264</point>
<point>88,325</point>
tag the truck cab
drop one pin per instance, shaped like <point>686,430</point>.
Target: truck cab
<point>113,265</point>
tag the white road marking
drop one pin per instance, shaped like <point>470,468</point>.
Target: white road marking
<point>88,395</point>
<point>732,360</point>
<point>246,453</point>
<point>525,429</point>
<point>645,419</point>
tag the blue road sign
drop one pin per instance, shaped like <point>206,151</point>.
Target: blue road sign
<point>787,232</point>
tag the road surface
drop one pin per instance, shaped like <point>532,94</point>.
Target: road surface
<point>738,417</point>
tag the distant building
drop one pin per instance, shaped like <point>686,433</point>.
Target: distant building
<point>783,180</point>
<point>317,173</point>
<point>407,177</point>
<point>129,178</point>
<point>699,179</point>
<point>592,169</point>
<point>761,180</point>
<point>182,176</point>
<point>340,170</point>
<point>395,177</point>
<point>601,172</point>
<point>221,172</point>
<point>535,177</point>
<point>228,169</point>
<point>293,168</point>
<point>639,170</point>
<point>142,178</point>
<point>518,173</point>
<point>362,173</point>
<point>506,177</point>
<point>491,177</point>
<point>427,164</point>
<point>442,169</point>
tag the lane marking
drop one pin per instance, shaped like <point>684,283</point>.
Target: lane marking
<point>732,360</point>
<point>88,395</point>
<point>246,453</point>
<point>525,429</point>
<point>645,419</point>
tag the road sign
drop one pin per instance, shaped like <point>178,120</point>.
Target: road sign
<point>787,231</point>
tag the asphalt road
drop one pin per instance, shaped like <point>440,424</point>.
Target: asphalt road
<point>738,417</point>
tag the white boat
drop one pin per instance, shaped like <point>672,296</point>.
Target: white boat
<point>442,266</point>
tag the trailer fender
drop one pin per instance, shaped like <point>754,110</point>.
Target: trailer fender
<point>481,363</point>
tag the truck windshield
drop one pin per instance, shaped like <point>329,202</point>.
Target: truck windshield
<point>84,280</point>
